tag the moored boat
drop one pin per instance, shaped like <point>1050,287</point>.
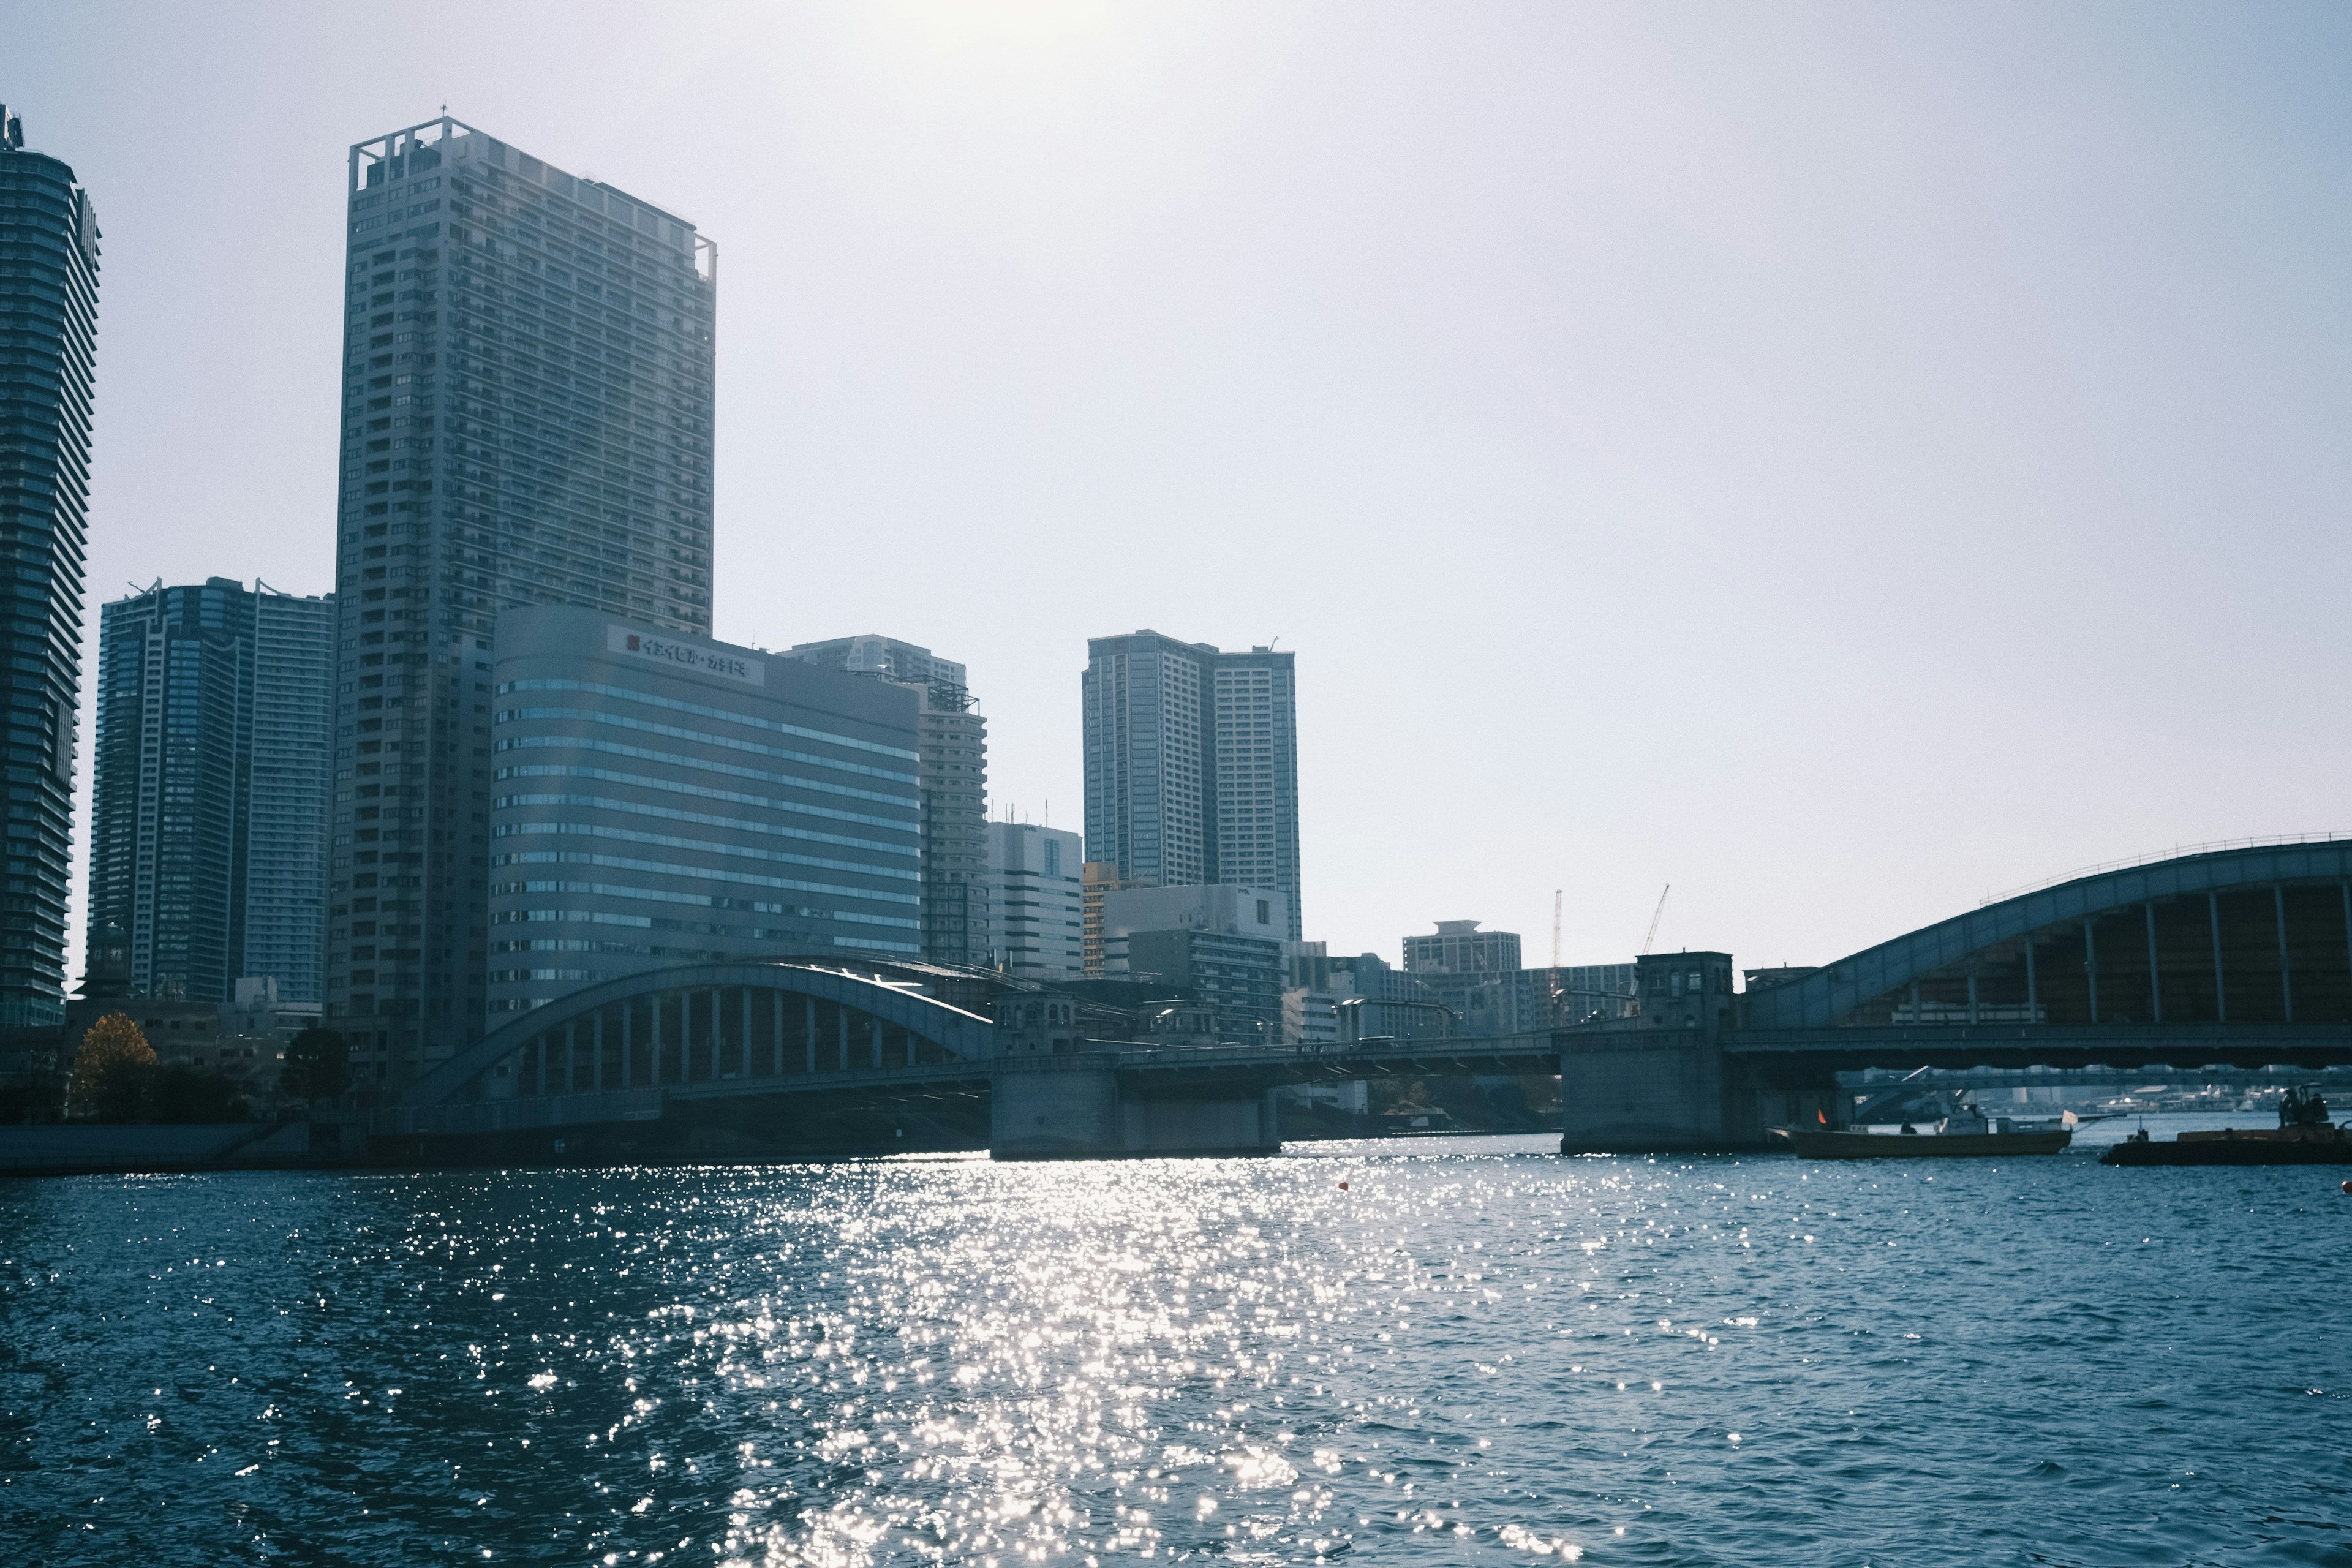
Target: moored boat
<point>2305,1136</point>
<point>1825,1144</point>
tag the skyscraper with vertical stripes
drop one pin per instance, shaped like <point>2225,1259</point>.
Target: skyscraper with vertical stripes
<point>48,369</point>
<point>209,787</point>
<point>528,375</point>
<point>1191,764</point>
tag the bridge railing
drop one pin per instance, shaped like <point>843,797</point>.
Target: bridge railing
<point>2177,852</point>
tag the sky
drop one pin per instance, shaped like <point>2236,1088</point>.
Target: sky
<point>1842,461</point>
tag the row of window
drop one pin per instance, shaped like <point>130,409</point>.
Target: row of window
<point>679,786</point>
<point>702,710</point>
<point>697,873</point>
<point>672,814</point>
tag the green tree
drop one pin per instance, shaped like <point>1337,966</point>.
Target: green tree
<point>317,1066</point>
<point>110,1072</point>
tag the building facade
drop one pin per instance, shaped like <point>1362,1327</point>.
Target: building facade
<point>292,798</point>
<point>48,317</point>
<point>1459,947</point>
<point>528,375</point>
<point>1318,988</point>
<point>1036,900</point>
<point>210,788</point>
<point>954,744</point>
<point>1191,764</point>
<point>1220,946</point>
<point>666,800</point>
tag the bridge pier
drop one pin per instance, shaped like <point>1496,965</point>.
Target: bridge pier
<point>1642,1093</point>
<point>1079,1114</point>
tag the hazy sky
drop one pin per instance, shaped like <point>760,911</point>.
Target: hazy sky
<point>1840,459</point>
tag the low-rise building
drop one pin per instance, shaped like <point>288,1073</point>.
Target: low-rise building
<point>1222,945</point>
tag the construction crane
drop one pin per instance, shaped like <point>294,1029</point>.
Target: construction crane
<point>1655,918</point>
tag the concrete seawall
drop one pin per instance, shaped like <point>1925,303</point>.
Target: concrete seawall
<point>223,1146</point>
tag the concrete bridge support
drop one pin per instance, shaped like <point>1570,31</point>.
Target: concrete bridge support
<point>1642,1091</point>
<point>1079,1114</point>
<point>1677,1091</point>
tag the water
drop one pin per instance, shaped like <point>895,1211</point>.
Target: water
<point>1475,1350</point>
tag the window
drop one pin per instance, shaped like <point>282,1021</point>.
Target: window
<point>1053,857</point>
<point>1265,911</point>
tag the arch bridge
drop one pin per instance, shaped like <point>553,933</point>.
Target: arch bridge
<point>814,1057</point>
<point>2237,956</point>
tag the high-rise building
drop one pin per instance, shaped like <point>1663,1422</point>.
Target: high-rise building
<point>1036,900</point>
<point>1191,764</point>
<point>528,374</point>
<point>210,786</point>
<point>672,800</point>
<point>290,798</point>
<point>955,787</point>
<point>48,326</point>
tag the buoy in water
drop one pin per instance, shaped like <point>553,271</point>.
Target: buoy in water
<point>2347,1186</point>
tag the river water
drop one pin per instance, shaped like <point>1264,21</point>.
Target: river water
<point>1431,1351</point>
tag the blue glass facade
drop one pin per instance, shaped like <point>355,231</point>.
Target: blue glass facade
<point>661,800</point>
<point>48,367</point>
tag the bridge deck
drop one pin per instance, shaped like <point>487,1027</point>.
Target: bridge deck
<point>1150,1071</point>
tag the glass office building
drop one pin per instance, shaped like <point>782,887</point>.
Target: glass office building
<point>208,816</point>
<point>664,800</point>
<point>954,743</point>
<point>526,419</point>
<point>49,367</point>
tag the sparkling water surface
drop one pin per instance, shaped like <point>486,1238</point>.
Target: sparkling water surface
<point>1420,1351</point>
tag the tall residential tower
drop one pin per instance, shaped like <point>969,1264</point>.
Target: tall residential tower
<point>208,823</point>
<point>528,372</point>
<point>48,368</point>
<point>1191,764</point>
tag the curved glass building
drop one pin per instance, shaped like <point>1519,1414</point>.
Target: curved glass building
<point>663,800</point>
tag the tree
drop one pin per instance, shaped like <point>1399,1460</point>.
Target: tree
<point>317,1066</point>
<point>110,1072</point>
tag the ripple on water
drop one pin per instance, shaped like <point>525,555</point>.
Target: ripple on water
<point>1472,1349</point>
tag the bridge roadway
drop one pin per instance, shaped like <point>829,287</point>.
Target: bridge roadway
<point>1111,1098</point>
<point>1159,1099</point>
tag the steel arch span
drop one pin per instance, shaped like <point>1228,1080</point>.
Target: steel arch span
<point>762,1025</point>
<point>2254,940</point>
